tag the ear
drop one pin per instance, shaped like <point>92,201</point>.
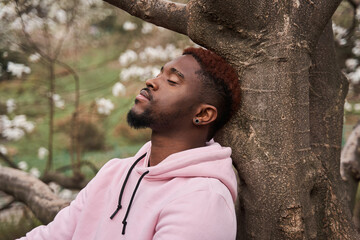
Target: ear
<point>205,114</point>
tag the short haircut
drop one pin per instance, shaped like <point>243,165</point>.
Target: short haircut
<point>220,85</point>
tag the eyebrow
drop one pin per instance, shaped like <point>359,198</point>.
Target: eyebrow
<point>177,72</point>
<point>174,70</point>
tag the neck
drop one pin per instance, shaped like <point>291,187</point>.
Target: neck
<point>163,145</point>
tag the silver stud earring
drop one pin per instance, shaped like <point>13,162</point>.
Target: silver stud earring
<point>197,121</point>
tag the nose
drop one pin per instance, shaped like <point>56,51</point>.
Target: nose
<point>152,83</point>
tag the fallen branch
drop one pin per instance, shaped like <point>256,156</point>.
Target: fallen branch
<point>77,181</point>
<point>33,192</point>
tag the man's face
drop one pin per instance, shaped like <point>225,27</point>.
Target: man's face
<point>169,100</point>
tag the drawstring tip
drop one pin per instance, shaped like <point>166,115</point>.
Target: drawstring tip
<point>116,211</point>
<point>124,227</point>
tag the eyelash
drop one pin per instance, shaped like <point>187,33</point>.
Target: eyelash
<point>172,82</point>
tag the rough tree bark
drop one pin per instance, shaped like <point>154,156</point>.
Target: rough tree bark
<point>286,135</point>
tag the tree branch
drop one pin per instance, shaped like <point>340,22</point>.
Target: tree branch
<point>173,16</point>
<point>78,181</point>
<point>34,193</point>
<point>8,161</point>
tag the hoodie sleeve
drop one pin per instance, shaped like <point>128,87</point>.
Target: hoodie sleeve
<point>199,215</point>
<point>64,224</point>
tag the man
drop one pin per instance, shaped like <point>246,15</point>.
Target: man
<point>179,185</point>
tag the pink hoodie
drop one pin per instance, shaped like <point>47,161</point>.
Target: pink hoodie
<point>189,195</point>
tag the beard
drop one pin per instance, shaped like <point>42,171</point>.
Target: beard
<point>138,121</point>
<point>148,119</point>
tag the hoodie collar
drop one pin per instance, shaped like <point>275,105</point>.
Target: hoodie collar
<point>212,161</point>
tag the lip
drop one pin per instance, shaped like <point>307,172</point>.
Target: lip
<point>141,98</point>
<point>144,92</point>
<point>144,95</point>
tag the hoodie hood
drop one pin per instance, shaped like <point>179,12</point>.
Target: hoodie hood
<point>212,161</point>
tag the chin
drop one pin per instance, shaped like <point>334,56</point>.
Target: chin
<point>137,119</point>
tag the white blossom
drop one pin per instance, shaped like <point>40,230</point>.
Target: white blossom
<point>351,63</point>
<point>23,165</point>
<point>16,128</point>
<point>92,2</point>
<point>357,107</point>
<point>139,72</point>
<point>342,41</point>
<point>61,16</point>
<point>34,57</point>
<point>3,149</point>
<point>147,28</point>
<point>4,122</point>
<point>357,15</point>
<point>356,49</point>
<point>354,77</point>
<point>17,69</point>
<point>59,103</point>
<point>16,24</point>
<point>20,121</point>
<point>7,10</point>
<point>35,172</point>
<point>13,134</point>
<point>129,26</point>
<point>54,187</point>
<point>129,56</point>
<point>118,89</point>
<point>159,53</point>
<point>347,106</point>
<point>42,152</point>
<point>10,105</point>
<point>66,194</point>
<point>339,33</point>
<point>14,47</point>
<point>104,106</point>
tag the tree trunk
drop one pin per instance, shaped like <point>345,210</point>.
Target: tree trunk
<point>49,161</point>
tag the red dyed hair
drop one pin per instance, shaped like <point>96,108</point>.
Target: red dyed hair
<point>220,73</point>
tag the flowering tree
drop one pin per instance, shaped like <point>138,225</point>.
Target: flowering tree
<point>46,26</point>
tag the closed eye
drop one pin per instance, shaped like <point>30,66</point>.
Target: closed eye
<point>172,82</point>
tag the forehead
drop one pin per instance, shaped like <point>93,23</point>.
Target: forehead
<point>187,65</point>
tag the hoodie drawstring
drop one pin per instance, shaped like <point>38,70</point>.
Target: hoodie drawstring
<point>124,184</point>
<point>131,200</point>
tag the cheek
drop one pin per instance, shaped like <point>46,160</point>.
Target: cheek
<point>177,101</point>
